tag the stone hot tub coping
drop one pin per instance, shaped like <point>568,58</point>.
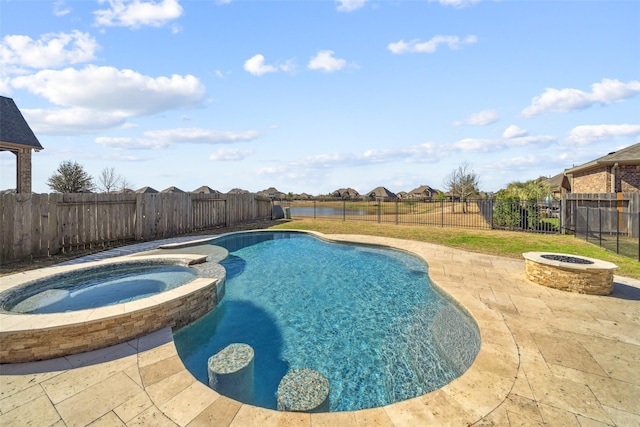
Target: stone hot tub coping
<point>572,273</point>
<point>29,337</point>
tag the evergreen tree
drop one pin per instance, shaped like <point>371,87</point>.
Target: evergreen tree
<point>70,177</point>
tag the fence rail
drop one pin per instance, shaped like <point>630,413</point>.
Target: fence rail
<point>40,225</point>
<point>609,228</point>
<point>609,220</point>
<point>482,214</point>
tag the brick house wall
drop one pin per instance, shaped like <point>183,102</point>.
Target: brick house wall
<point>599,180</point>
<point>592,181</point>
<point>628,179</point>
<point>23,170</point>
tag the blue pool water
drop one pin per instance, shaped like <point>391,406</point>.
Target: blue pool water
<point>97,287</point>
<point>365,317</point>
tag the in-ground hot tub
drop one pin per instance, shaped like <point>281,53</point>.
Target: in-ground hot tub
<point>570,273</point>
<point>62,330</point>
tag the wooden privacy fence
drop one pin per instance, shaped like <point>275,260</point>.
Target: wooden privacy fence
<point>40,225</point>
<point>617,212</point>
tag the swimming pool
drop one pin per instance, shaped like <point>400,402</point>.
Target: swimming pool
<point>365,317</point>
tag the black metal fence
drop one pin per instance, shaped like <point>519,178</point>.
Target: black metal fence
<point>617,230</point>
<point>488,214</point>
<point>610,220</point>
<point>609,228</point>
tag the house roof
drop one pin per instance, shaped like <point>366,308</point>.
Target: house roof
<point>345,192</point>
<point>172,189</point>
<point>146,190</point>
<point>206,190</point>
<point>626,156</point>
<point>270,190</point>
<point>237,191</point>
<point>14,128</point>
<point>557,182</point>
<point>423,189</point>
<point>381,192</point>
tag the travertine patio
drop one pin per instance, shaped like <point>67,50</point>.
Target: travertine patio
<point>548,357</point>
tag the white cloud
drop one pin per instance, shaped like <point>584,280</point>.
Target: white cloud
<point>582,135</point>
<point>430,46</point>
<point>137,13</point>
<point>50,50</point>
<point>326,160</point>
<point>350,5</point>
<point>126,143</point>
<point>324,60</point>
<point>423,153</point>
<point>124,93</point>
<point>256,66</point>
<point>519,163</point>
<point>201,136</point>
<point>539,141</point>
<point>68,121</point>
<point>5,86</point>
<point>481,118</point>
<point>455,3</point>
<point>289,66</point>
<point>477,144</point>
<point>99,98</point>
<point>497,144</point>
<point>61,8</point>
<point>157,139</point>
<point>607,91</point>
<point>514,131</point>
<point>230,154</point>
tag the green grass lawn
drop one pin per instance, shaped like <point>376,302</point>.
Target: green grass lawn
<point>502,243</point>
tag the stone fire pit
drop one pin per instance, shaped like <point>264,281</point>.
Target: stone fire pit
<point>570,273</point>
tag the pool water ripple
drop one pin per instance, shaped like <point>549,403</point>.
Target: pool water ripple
<point>362,316</point>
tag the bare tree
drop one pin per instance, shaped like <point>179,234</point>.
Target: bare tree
<point>108,180</point>
<point>463,182</point>
<point>125,184</point>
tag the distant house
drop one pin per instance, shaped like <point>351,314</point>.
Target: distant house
<point>237,191</point>
<point>559,185</point>
<point>206,190</point>
<point>402,195</point>
<point>380,193</point>
<point>172,190</point>
<point>345,193</point>
<point>272,193</point>
<point>423,192</point>
<point>17,137</point>
<point>146,190</point>
<point>304,196</point>
<point>617,172</point>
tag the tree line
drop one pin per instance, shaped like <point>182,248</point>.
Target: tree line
<point>462,183</point>
<point>70,177</point>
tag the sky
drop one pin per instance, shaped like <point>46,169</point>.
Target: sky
<point>309,96</point>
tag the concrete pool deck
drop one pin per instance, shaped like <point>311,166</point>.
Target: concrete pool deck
<point>548,357</point>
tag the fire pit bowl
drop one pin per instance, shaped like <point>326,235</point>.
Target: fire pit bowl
<point>570,273</point>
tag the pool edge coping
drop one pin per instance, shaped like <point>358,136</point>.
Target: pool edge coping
<point>474,394</point>
<point>14,325</point>
<point>496,341</point>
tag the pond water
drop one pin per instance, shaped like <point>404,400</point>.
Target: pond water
<point>324,211</point>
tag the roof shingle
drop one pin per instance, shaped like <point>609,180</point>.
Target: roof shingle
<point>13,127</point>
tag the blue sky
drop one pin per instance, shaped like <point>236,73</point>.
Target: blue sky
<point>312,96</point>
